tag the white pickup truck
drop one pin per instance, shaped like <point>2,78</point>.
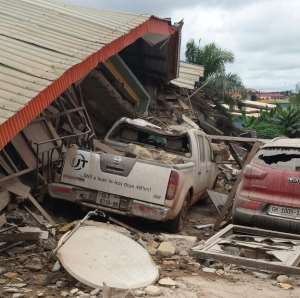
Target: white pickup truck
<point>157,175</point>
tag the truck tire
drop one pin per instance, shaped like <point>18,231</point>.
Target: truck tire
<point>176,225</point>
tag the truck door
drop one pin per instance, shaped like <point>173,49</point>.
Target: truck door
<point>201,167</point>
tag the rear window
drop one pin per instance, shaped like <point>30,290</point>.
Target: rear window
<point>125,133</point>
<point>283,158</point>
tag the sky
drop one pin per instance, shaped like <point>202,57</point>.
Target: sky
<point>264,35</point>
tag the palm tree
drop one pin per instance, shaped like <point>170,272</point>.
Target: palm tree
<point>289,120</point>
<point>222,87</point>
<point>212,57</point>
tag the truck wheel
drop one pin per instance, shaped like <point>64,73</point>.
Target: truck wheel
<point>176,225</point>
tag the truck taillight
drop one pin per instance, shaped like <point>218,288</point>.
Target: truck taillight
<point>172,186</point>
<point>254,172</point>
<point>62,189</point>
<point>249,204</point>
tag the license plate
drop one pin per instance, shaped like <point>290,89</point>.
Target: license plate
<point>287,212</point>
<point>108,200</point>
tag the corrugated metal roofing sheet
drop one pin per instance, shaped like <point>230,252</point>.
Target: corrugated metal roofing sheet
<point>189,74</point>
<point>45,46</point>
<point>283,142</point>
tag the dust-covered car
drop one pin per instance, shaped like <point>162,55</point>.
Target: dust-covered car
<point>156,174</point>
<point>269,193</point>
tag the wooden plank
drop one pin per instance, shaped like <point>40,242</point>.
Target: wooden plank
<point>24,150</point>
<point>2,220</point>
<point>218,199</point>
<point>237,139</point>
<point>235,155</point>
<point>288,267</point>
<point>250,263</point>
<point>4,199</point>
<point>7,247</point>
<point>15,237</point>
<point>16,187</point>
<point>263,232</point>
<point>41,209</point>
<point>229,203</point>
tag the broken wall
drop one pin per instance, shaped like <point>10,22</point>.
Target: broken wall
<point>104,103</point>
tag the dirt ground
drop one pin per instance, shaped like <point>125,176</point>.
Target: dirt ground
<point>28,271</point>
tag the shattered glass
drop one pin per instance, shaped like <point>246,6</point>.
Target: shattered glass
<point>283,158</point>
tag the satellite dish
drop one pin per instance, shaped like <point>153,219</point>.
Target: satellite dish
<point>96,255</point>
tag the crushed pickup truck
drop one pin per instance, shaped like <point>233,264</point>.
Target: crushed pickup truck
<point>157,174</point>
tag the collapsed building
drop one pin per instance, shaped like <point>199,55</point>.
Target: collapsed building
<point>68,73</point>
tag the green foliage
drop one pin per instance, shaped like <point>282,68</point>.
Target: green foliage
<point>276,122</point>
<point>295,99</point>
<point>220,86</point>
<point>212,57</point>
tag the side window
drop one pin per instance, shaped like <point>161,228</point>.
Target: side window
<point>201,148</point>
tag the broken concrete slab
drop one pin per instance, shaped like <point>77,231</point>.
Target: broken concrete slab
<point>96,256</point>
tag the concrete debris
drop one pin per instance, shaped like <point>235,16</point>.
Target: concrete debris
<point>284,286</point>
<point>202,227</point>
<point>95,292</point>
<point>2,270</point>
<point>168,282</point>
<point>139,293</point>
<point>181,242</point>
<point>74,291</point>
<point>153,154</point>
<point>209,270</point>
<point>166,249</point>
<point>153,291</point>
<point>34,264</point>
<point>283,279</point>
<point>18,295</point>
<point>11,275</point>
<point>56,267</point>
<point>262,275</point>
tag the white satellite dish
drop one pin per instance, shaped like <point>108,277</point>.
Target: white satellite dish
<point>97,255</point>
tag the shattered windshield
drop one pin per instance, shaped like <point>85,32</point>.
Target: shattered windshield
<point>288,159</point>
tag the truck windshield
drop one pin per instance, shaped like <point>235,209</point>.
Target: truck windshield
<point>126,133</point>
<point>283,158</point>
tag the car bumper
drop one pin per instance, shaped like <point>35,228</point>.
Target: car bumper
<point>259,219</point>
<point>135,208</point>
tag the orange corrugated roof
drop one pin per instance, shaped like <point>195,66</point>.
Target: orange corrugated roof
<point>46,47</point>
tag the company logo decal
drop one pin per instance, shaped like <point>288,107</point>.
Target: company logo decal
<point>78,162</point>
<point>294,180</point>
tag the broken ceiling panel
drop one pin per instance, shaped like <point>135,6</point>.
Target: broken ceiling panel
<point>46,46</point>
<point>189,75</point>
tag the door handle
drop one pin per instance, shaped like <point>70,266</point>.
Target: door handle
<point>199,173</point>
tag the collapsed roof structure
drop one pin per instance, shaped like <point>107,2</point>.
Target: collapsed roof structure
<point>47,46</point>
